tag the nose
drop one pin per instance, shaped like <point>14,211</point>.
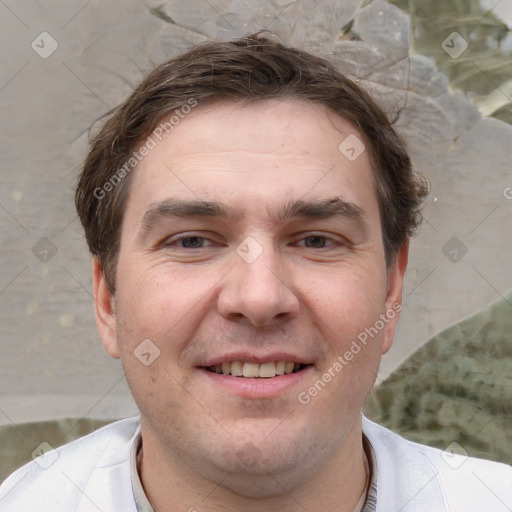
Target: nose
<point>258,291</point>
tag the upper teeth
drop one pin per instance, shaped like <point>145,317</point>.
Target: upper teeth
<point>265,370</point>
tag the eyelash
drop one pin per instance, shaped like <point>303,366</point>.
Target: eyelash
<point>171,243</point>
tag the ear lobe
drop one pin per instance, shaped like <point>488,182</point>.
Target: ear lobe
<point>394,293</point>
<point>103,310</point>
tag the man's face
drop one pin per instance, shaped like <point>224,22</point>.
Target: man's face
<point>208,290</point>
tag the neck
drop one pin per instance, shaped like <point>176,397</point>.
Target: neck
<point>171,484</point>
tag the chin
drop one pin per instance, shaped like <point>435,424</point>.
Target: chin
<point>252,473</point>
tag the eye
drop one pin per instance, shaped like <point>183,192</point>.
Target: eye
<point>186,242</point>
<point>316,241</point>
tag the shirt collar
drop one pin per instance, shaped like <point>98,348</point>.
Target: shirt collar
<point>370,504</point>
<point>141,500</point>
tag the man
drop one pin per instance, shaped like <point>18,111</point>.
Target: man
<point>249,211</point>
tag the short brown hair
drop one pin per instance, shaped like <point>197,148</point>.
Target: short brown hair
<point>251,68</point>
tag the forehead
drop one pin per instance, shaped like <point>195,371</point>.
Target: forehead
<point>253,152</point>
<point>252,125</point>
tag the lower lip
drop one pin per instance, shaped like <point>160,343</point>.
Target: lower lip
<point>246,387</point>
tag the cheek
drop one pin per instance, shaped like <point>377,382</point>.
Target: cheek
<point>155,318</point>
<point>347,302</point>
<point>347,307</point>
<point>156,302</point>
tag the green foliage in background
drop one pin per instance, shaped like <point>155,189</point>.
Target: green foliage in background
<point>483,71</point>
<point>456,387</point>
<point>18,442</point>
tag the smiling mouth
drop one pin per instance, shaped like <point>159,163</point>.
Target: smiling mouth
<point>255,370</point>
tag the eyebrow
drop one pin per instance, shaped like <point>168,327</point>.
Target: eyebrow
<point>317,209</point>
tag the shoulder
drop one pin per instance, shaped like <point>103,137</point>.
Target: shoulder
<point>75,476</point>
<point>450,478</point>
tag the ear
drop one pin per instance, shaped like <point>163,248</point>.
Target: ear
<point>104,310</point>
<point>394,294</point>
